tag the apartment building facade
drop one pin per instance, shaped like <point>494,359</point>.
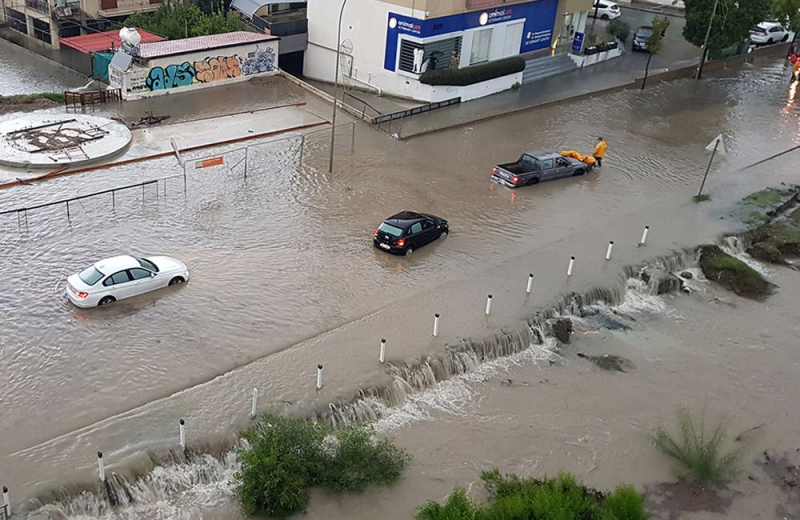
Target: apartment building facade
<point>381,38</point>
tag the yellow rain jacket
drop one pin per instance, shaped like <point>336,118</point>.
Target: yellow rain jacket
<point>600,149</point>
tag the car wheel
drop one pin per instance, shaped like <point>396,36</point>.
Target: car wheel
<point>604,17</point>
<point>578,172</point>
<point>444,234</point>
<point>535,180</point>
<point>108,300</point>
<point>769,42</point>
<point>176,280</point>
<point>409,251</point>
<point>785,37</point>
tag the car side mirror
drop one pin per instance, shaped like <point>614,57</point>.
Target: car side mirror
<point>152,274</point>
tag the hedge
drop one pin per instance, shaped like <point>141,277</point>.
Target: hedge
<point>474,74</point>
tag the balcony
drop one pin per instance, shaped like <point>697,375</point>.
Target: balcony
<point>67,10</point>
<point>40,6</point>
<point>112,8</point>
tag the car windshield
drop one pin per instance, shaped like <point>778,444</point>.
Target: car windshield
<point>644,32</point>
<point>147,264</point>
<point>391,230</point>
<point>90,276</point>
<point>759,30</point>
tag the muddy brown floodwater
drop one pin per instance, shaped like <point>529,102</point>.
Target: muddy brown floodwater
<point>284,277</point>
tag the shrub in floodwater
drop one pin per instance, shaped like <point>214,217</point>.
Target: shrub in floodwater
<point>732,273</point>
<point>562,497</point>
<point>287,456</point>
<point>700,451</point>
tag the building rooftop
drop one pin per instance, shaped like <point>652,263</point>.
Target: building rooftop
<point>103,41</point>
<point>198,43</point>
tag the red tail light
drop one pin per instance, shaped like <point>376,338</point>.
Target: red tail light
<point>401,242</point>
<point>376,232</point>
<point>515,179</point>
<point>494,170</point>
<point>82,294</point>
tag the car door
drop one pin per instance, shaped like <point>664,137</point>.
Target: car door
<point>428,231</point>
<point>563,168</point>
<point>415,235</point>
<point>146,281</point>
<point>120,285</point>
<point>548,170</point>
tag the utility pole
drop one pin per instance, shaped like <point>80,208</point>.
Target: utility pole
<point>705,42</point>
<point>335,86</point>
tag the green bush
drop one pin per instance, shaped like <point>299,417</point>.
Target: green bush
<point>562,497</point>
<point>288,456</point>
<point>619,29</point>
<point>698,450</point>
<point>474,74</point>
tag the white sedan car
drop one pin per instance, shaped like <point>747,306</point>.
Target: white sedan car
<point>605,10</point>
<point>766,33</point>
<point>123,277</point>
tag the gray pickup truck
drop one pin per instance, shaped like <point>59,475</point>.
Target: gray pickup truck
<point>535,167</point>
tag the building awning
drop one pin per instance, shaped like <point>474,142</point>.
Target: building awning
<point>103,41</point>
<point>249,7</point>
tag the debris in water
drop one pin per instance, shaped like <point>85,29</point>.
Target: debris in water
<point>609,362</point>
<point>510,382</point>
<point>687,274</point>
<point>562,328</point>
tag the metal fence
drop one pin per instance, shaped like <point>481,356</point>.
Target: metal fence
<point>246,160</point>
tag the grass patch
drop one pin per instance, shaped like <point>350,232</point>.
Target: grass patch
<point>53,96</point>
<point>25,99</point>
<point>699,450</point>
<point>288,456</point>
<point>733,274</point>
<point>755,208</point>
<point>559,498</point>
<point>701,198</point>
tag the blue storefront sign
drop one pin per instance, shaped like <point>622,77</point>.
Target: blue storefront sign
<point>537,33</point>
<point>577,42</point>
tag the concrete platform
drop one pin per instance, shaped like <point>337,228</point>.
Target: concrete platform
<point>53,140</point>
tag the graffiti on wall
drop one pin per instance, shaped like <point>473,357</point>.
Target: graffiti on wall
<point>171,76</point>
<point>216,68</point>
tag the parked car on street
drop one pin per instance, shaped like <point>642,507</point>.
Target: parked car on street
<point>123,277</point>
<point>605,10</point>
<point>407,231</point>
<point>767,33</point>
<point>640,38</point>
<point>537,166</point>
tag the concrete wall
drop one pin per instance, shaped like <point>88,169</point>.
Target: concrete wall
<point>437,8</point>
<point>124,7</point>
<point>433,94</point>
<point>39,51</point>
<point>194,70</point>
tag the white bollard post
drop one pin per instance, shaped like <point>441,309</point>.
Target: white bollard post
<point>489,305</point>
<point>435,325</point>
<point>644,235</point>
<point>182,433</point>
<point>319,377</point>
<point>6,501</point>
<point>383,351</point>
<point>608,251</point>
<point>255,403</point>
<point>101,466</point>
<point>571,265</point>
<point>530,284</point>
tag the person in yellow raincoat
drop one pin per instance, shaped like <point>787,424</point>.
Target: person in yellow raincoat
<point>600,151</point>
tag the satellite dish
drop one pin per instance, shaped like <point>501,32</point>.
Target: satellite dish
<point>130,36</point>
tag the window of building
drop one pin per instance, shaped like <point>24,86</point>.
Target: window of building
<point>481,46</point>
<point>439,54</point>
<point>513,39</point>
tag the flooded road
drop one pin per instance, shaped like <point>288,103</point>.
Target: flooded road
<point>284,275</point>
<point>25,73</point>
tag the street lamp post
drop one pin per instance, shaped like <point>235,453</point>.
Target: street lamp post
<point>336,86</point>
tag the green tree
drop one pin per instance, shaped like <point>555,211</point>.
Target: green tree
<point>179,20</point>
<point>787,11</point>
<point>731,22</point>
<point>216,23</point>
<point>653,43</point>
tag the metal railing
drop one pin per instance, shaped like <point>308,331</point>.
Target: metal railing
<point>413,111</point>
<point>41,6</point>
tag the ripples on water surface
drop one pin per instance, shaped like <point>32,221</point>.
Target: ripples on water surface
<point>287,252</point>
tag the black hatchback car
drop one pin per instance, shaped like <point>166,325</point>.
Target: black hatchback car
<point>406,231</point>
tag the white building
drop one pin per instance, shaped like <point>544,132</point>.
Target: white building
<point>380,37</point>
<point>150,69</point>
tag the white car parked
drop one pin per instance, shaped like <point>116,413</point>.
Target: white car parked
<point>766,33</point>
<point>605,10</point>
<point>123,277</point>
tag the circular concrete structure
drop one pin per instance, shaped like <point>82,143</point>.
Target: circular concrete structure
<point>53,140</point>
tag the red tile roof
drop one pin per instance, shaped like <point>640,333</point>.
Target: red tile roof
<point>198,43</point>
<point>103,41</point>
